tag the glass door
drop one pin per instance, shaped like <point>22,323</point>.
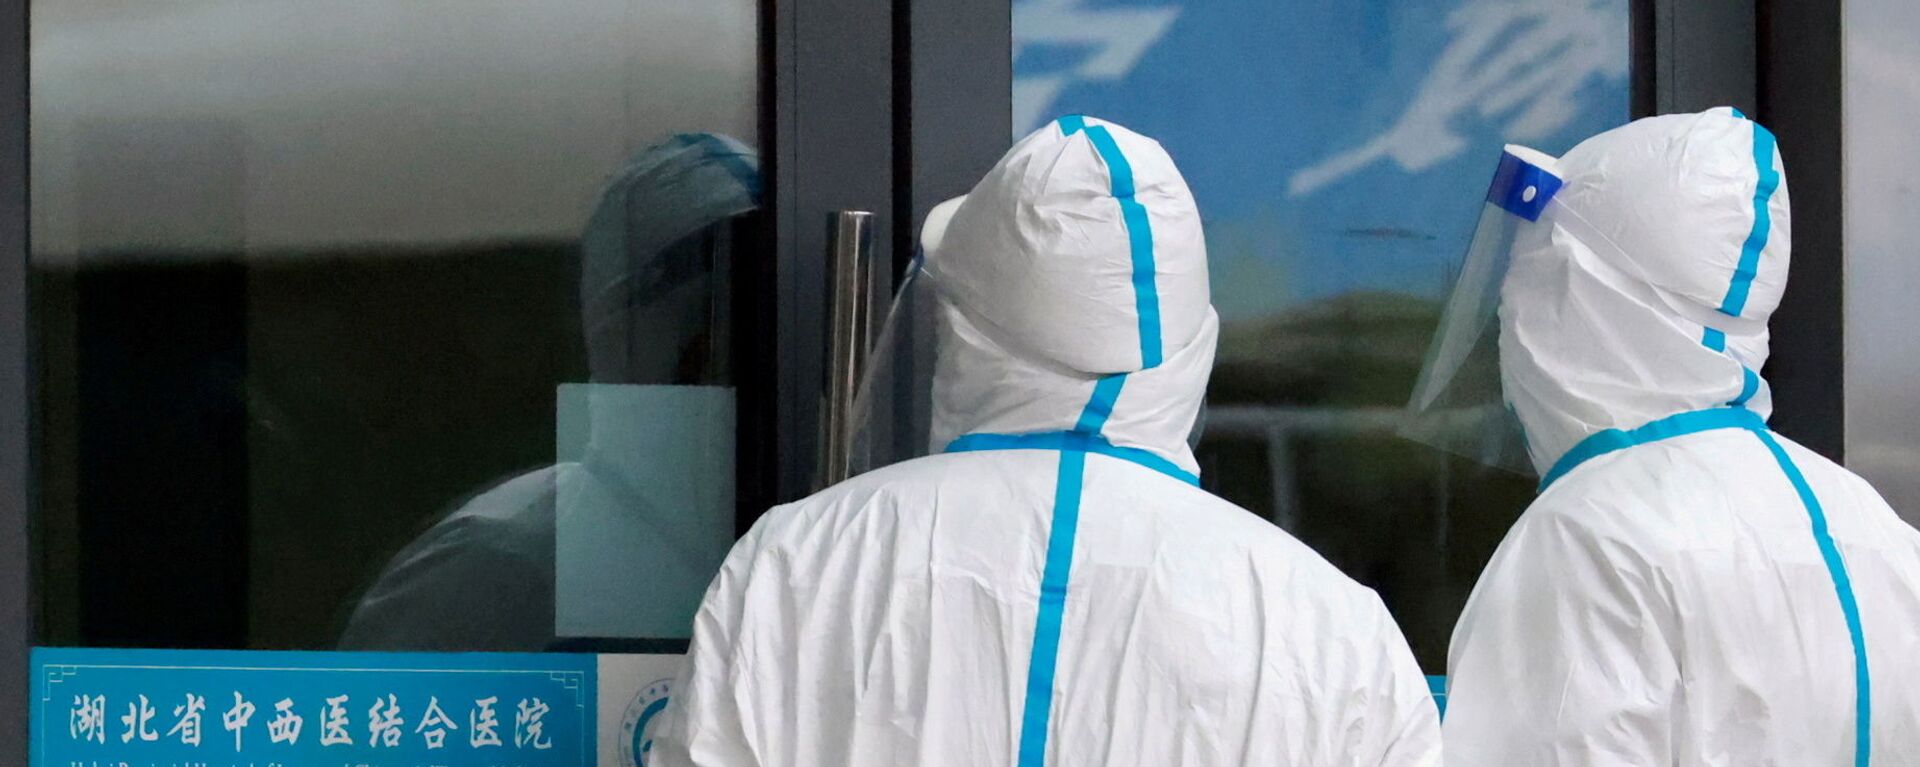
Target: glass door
<point>394,325</point>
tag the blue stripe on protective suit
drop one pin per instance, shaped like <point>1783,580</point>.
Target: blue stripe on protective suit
<point>1714,339</point>
<point>1146,295</point>
<point>1843,589</point>
<point>1068,440</point>
<point>1767,179</point>
<point>1037,713</point>
<point>1613,440</point>
<point>1694,422</point>
<point>1073,447</point>
<point>1105,393</point>
<point>1044,660</point>
<point>1749,386</point>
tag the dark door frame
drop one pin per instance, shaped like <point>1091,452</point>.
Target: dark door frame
<point>17,607</point>
<point>1799,68</point>
<point>868,115</point>
<point>828,119</point>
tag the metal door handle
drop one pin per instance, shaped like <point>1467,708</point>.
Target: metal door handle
<point>854,277</point>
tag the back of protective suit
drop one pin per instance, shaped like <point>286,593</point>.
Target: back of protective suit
<point>1669,604</point>
<point>1689,588</point>
<point>892,621</point>
<point>1051,588</point>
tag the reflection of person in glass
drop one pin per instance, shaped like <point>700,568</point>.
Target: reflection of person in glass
<point>1055,587</point>
<point>1689,588</point>
<point>648,488</point>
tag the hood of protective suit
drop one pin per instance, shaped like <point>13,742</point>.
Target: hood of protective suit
<point>1078,258</point>
<point>1652,297</point>
<point>647,259</point>
<point>655,259</point>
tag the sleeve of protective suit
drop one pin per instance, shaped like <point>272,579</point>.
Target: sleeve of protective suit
<point>705,722</point>
<point>1562,657</point>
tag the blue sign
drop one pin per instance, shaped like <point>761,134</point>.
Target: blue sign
<point>175,708</point>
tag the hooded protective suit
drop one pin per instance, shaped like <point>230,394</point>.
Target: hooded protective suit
<point>1689,588</point>
<point>1053,588</point>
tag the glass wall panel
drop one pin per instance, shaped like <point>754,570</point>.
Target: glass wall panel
<point>1882,104</point>
<point>1339,153</point>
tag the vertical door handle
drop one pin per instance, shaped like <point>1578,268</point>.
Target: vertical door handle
<point>853,276</point>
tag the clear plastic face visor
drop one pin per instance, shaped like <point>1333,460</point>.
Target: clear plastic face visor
<point>1458,404</point>
<point>893,407</point>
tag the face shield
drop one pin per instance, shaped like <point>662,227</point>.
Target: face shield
<point>1458,403</point>
<point>893,406</point>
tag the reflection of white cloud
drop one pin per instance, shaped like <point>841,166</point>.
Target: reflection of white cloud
<point>1529,60</point>
<point>1118,36</point>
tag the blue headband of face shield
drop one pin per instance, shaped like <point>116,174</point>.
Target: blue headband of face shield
<point>1458,403</point>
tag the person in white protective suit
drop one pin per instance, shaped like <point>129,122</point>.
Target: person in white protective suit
<point>1052,588</point>
<point>654,257</point>
<point>1689,588</point>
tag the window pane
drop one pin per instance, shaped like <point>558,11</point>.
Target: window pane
<point>1340,153</point>
<point>353,314</point>
<point>1882,100</point>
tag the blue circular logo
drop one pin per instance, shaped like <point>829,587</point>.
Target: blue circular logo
<point>641,716</point>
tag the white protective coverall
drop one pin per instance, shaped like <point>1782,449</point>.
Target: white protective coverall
<point>1689,588</point>
<point>1054,588</point>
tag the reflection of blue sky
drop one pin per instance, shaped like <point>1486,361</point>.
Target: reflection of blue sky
<point>1331,146</point>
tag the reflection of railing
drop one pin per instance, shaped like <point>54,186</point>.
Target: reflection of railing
<point>1279,426</point>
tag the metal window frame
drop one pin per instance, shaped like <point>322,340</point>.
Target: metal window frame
<point>16,401</point>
